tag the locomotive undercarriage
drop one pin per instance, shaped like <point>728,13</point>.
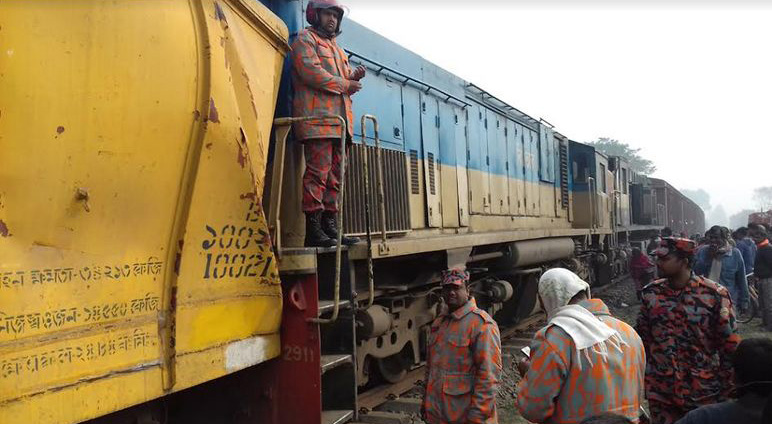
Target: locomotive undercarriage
<point>391,335</point>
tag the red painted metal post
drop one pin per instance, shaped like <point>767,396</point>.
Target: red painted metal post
<point>299,378</point>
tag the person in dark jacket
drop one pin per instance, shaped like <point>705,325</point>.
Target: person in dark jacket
<point>763,272</point>
<point>746,246</point>
<point>752,364</point>
<point>718,261</point>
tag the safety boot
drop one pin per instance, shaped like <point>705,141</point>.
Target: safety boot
<point>330,227</point>
<point>315,237</point>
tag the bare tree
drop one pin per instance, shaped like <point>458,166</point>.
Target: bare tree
<point>763,197</point>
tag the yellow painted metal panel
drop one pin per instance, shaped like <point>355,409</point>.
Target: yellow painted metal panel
<point>36,369</point>
<point>228,286</point>
<point>449,195</point>
<point>204,325</point>
<point>126,128</point>
<point>216,361</point>
<point>85,401</point>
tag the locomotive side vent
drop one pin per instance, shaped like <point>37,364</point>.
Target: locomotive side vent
<point>395,191</point>
<point>430,159</point>
<point>564,175</point>
<point>414,188</point>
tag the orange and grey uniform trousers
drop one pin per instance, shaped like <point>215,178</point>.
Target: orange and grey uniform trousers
<point>321,180</point>
<point>463,368</point>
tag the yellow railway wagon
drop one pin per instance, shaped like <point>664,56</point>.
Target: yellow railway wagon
<point>135,260</point>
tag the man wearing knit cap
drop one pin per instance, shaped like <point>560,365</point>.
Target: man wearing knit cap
<point>688,327</point>
<point>463,364</point>
<point>584,362</point>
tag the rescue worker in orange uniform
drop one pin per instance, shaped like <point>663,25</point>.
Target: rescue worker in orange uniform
<point>688,326</point>
<point>323,82</point>
<point>584,362</point>
<point>463,366</point>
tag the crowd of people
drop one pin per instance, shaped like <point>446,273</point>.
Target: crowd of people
<point>683,358</point>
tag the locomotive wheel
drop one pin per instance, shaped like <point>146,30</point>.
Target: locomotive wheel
<point>392,368</point>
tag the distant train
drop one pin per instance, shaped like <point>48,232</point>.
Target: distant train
<point>761,218</point>
<point>151,229</point>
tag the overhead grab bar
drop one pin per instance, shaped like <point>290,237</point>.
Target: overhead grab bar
<point>425,86</point>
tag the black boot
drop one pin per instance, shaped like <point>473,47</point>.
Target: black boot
<point>330,227</point>
<point>315,237</point>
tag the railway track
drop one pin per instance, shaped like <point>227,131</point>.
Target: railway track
<point>387,403</point>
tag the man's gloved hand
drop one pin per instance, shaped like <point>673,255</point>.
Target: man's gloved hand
<point>358,73</point>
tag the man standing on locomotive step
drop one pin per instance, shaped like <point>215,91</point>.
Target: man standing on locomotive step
<point>463,363</point>
<point>323,83</point>
<point>688,327</point>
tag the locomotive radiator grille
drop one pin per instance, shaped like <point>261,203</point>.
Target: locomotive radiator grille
<point>395,192</point>
<point>564,175</point>
<point>414,187</point>
<point>430,164</point>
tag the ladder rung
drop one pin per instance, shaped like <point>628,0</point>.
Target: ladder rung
<point>329,362</point>
<point>327,305</point>
<point>336,416</point>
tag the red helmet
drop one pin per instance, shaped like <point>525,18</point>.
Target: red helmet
<point>314,6</point>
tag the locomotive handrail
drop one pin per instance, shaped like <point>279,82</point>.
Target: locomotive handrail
<point>592,200</point>
<point>428,87</point>
<point>381,202</point>
<point>276,185</point>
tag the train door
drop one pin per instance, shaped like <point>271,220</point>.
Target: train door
<point>459,118</point>
<point>497,172</point>
<point>601,192</point>
<point>477,164</point>
<point>411,116</point>
<point>532,198</point>
<point>447,165</point>
<point>514,135</point>
<point>430,137</point>
<point>547,171</point>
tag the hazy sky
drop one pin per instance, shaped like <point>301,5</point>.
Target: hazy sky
<point>690,85</point>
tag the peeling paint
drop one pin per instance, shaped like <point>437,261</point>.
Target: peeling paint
<point>250,196</point>
<point>196,115</point>
<point>59,129</point>
<point>178,257</point>
<point>208,145</point>
<point>218,13</point>
<point>213,116</point>
<point>4,229</point>
<point>242,157</point>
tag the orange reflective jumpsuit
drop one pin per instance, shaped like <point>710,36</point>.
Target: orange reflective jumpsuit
<point>463,368</point>
<point>320,76</point>
<point>557,390</point>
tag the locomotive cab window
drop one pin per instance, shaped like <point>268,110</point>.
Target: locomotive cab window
<point>602,178</point>
<point>624,181</point>
<point>579,170</point>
